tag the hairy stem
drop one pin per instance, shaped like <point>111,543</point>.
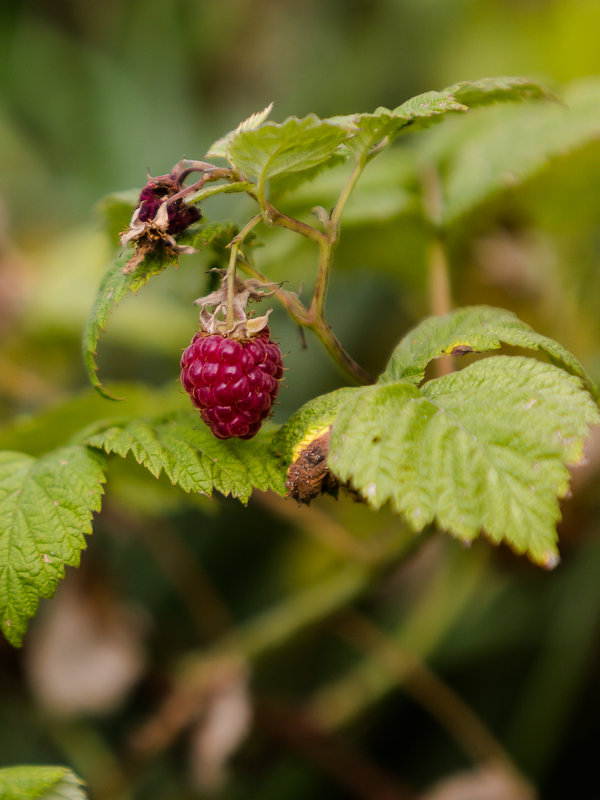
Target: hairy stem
<point>317,305</point>
<point>194,192</point>
<point>338,209</point>
<point>289,300</point>
<point>229,318</point>
<point>307,319</point>
<point>273,216</point>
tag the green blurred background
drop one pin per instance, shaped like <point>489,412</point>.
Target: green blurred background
<point>92,95</point>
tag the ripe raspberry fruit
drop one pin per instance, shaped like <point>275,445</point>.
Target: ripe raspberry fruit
<point>233,382</point>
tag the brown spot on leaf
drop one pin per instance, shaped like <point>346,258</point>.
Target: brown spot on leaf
<point>461,350</point>
<point>309,476</point>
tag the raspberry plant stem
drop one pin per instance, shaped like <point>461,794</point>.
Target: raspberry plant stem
<point>336,214</point>
<point>318,325</point>
<point>440,293</point>
<point>229,318</point>
<point>194,193</point>
<point>314,317</point>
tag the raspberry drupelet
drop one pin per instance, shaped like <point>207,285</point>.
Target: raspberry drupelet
<point>233,382</point>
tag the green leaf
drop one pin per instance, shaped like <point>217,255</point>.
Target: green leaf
<point>295,145</point>
<point>219,148</point>
<point>46,506</point>
<point>113,288</point>
<point>308,422</point>
<point>40,783</point>
<point>472,329</point>
<point>494,90</point>
<point>290,181</point>
<point>501,148</point>
<point>116,285</point>
<point>431,107</point>
<point>63,422</point>
<point>418,112</point>
<point>193,458</point>
<point>483,449</point>
<point>216,235</point>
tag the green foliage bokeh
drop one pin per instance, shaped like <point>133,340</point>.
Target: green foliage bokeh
<point>92,95</point>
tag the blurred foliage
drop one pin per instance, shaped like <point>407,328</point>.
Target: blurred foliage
<point>174,586</point>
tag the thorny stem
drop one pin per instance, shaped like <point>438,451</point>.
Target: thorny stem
<point>317,304</point>
<point>439,277</point>
<point>252,223</point>
<point>439,282</point>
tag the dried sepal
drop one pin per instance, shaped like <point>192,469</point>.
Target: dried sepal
<point>213,308</point>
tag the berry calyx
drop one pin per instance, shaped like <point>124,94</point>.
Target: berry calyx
<point>233,382</point>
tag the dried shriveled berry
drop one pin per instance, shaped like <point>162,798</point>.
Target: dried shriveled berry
<point>232,382</point>
<point>154,193</point>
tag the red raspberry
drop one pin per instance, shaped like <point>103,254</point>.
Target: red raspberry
<point>233,383</point>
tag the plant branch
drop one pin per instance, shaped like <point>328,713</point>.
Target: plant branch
<point>338,209</point>
<point>273,216</point>
<point>350,768</point>
<point>317,304</point>
<point>431,692</point>
<point>289,300</point>
<point>306,318</point>
<point>233,256</point>
<point>267,630</point>
<point>194,193</point>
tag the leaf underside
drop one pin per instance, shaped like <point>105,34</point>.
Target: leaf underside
<point>192,458</point>
<point>296,145</point>
<point>46,507</point>
<point>113,288</point>
<point>116,285</point>
<point>429,108</point>
<point>485,155</point>
<point>483,449</point>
